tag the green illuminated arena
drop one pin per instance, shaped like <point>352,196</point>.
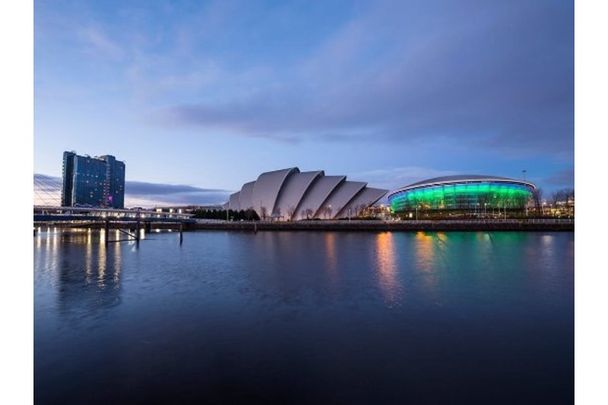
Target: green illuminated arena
<point>463,193</point>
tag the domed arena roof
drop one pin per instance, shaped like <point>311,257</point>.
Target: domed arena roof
<point>461,178</point>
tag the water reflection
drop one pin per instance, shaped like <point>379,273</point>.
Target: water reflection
<point>426,251</point>
<point>117,265</point>
<point>101,264</point>
<point>386,267</point>
<point>237,307</point>
<point>330,255</point>
<point>86,271</point>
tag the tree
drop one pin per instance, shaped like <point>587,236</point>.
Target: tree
<point>290,211</point>
<point>538,198</point>
<point>564,196</point>
<point>308,213</point>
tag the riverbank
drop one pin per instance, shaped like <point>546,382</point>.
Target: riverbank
<point>378,226</point>
<point>532,225</point>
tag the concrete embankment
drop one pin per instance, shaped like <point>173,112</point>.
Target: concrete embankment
<point>379,226</point>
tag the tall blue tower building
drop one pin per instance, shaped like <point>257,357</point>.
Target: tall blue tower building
<point>92,181</point>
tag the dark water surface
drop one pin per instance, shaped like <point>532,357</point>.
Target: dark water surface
<point>305,317</point>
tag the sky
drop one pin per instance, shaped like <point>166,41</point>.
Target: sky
<point>199,97</point>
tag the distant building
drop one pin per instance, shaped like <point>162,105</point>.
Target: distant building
<point>93,181</point>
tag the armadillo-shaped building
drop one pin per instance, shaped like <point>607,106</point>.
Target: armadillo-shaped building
<point>291,195</point>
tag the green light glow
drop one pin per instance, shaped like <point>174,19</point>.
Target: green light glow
<point>463,196</point>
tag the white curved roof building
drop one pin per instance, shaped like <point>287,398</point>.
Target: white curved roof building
<point>289,194</point>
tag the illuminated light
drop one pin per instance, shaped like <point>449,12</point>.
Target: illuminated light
<point>490,194</point>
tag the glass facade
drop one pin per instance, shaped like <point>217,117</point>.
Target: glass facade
<point>463,196</point>
<point>92,181</point>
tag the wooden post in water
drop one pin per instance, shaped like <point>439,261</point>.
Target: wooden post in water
<point>181,233</point>
<point>137,232</point>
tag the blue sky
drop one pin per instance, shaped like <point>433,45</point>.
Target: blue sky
<point>208,94</point>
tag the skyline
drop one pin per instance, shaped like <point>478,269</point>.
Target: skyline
<point>209,94</point>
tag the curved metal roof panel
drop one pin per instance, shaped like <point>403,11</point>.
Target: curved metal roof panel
<point>266,189</point>
<point>338,198</point>
<point>233,203</point>
<point>316,195</point>
<point>292,192</point>
<point>364,199</point>
<point>246,196</point>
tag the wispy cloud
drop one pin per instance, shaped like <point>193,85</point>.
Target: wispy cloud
<point>98,43</point>
<point>47,191</point>
<point>392,178</point>
<point>503,82</point>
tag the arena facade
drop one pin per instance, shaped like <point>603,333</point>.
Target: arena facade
<point>291,195</point>
<point>463,193</point>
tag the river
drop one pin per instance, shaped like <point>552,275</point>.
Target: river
<point>307,317</point>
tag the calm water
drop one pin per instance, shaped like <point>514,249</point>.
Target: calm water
<point>305,317</point>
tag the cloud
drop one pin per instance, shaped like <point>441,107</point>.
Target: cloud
<point>399,176</point>
<point>47,191</point>
<point>100,44</point>
<point>493,75</point>
<point>144,188</point>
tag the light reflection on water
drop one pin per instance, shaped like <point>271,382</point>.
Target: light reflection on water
<point>331,255</point>
<point>387,267</point>
<point>427,249</point>
<point>258,312</point>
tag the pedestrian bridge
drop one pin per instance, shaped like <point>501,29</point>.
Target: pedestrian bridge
<point>73,214</point>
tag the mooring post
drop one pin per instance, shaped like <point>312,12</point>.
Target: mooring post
<point>106,229</point>
<point>138,231</point>
<point>181,233</point>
